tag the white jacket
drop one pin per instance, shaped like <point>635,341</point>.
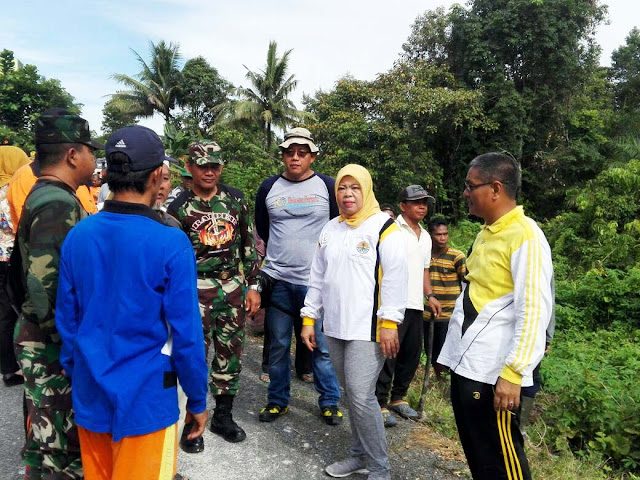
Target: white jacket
<point>346,283</point>
<point>509,282</point>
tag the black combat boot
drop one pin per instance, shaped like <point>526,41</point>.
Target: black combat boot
<point>195,445</point>
<point>222,422</point>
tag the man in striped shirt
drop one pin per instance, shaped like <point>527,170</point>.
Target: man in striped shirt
<point>447,270</point>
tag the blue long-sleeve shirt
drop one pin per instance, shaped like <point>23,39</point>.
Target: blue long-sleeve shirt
<point>127,313</point>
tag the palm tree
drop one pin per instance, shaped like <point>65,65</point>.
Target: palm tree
<point>266,102</point>
<point>156,87</point>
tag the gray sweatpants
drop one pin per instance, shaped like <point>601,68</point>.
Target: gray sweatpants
<point>357,364</point>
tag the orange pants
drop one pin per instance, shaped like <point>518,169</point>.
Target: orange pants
<point>143,457</point>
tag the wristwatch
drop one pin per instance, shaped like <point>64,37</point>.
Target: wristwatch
<point>429,295</point>
<point>257,287</point>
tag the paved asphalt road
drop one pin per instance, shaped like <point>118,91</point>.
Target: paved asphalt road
<point>296,446</point>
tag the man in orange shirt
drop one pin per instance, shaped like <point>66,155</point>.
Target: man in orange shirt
<point>20,186</point>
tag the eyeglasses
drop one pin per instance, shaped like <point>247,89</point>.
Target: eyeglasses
<point>290,152</point>
<point>469,187</point>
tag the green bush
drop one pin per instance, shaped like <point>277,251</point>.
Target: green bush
<point>603,298</point>
<point>462,235</point>
<point>591,378</point>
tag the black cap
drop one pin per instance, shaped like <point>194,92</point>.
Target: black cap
<point>57,125</point>
<point>141,144</point>
<point>413,192</point>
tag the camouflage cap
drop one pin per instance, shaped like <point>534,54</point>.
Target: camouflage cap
<point>205,151</point>
<point>57,125</point>
<point>185,173</point>
<point>300,136</point>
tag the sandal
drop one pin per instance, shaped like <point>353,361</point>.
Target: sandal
<point>404,410</point>
<point>306,377</point>
<point>264,377</point>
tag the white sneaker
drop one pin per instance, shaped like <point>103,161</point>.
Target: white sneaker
<point>344,468</point>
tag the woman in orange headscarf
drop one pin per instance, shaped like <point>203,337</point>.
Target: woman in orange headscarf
<point>11,159</point>
<point>358,283</point>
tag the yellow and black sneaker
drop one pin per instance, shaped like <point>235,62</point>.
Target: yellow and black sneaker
<point>332,415</point>
<point>271,412</point>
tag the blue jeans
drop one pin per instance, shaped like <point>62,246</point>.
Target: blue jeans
<point>287,300</point>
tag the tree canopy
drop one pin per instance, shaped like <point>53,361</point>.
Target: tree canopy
<point>24,94</point>
<point>266,102</point>
<point>156,87</point>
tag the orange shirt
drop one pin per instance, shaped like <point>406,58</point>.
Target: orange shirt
<point>86,199</point>
<point>20,185</point>
<point>95,191</point>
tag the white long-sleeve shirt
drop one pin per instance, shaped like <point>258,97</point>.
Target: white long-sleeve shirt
<point>509,285</point>
<point>352,284</point>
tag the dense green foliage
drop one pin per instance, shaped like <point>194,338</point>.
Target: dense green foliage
<point>399,126</point>
<point>24,94</point>
<point>591,378</point>
<point>116,116</point>
<point>201,92</point>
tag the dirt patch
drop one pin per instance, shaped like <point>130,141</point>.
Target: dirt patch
<point>445,447</point>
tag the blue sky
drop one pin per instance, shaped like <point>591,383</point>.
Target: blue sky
<point>82,43</point>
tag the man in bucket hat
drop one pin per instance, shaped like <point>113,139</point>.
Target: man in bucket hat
<point>128,316</point>
<point>216,218</point>
<point>291,210</point>
<point>65,156</point>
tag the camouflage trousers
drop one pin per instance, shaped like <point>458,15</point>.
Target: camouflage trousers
<point>52,449</point>
<point>223,321</point>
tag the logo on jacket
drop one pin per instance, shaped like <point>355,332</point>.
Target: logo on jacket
<point>476,395</point>
<point>323,240</point>
<point>215,229</point>
<point>363,248</point>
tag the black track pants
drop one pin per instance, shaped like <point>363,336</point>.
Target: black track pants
<point>491,440</point>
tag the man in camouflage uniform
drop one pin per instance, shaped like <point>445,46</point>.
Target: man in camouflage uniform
<point>217,220</point>
<point>65,156</point>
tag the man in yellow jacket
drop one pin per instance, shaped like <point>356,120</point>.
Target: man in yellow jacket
<point>496,335</point>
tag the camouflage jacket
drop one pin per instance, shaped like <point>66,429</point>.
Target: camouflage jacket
<point>220,230</point>
<point>51,210</point>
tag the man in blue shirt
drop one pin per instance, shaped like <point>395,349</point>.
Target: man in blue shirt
<point>127,313</point>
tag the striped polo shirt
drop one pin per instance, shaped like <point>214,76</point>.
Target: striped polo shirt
<point>447,272</point>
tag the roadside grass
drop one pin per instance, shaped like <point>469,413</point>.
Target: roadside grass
<point>547,462</point>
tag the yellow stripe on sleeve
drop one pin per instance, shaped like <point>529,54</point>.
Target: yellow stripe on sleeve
<point>532,302</point>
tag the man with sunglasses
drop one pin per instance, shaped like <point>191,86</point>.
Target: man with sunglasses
<point>496,334</point>
<point>397,373</point>
<point>291,210</point>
